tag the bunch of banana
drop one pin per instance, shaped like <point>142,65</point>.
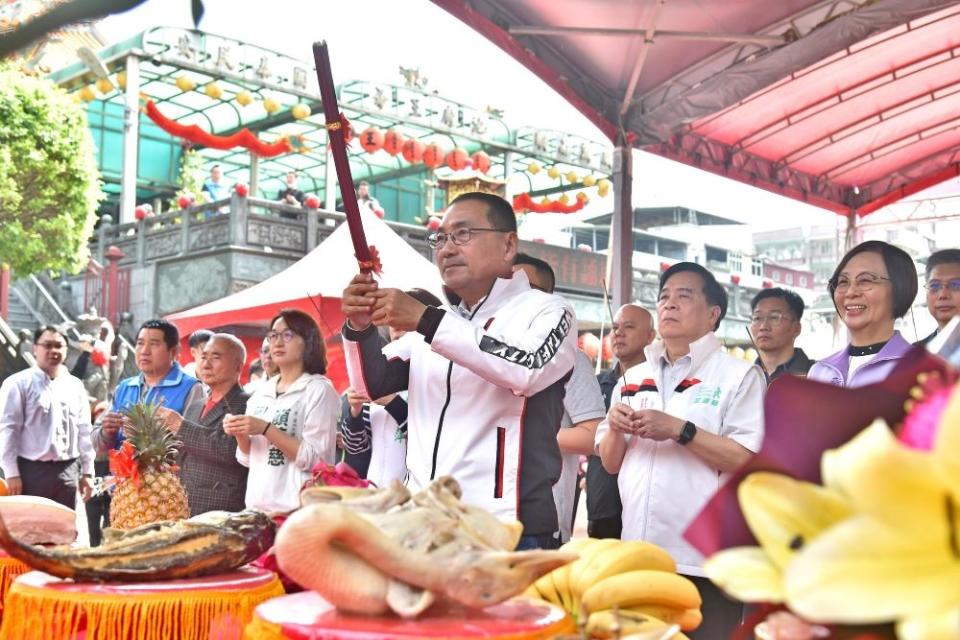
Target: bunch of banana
<point>623,587</point>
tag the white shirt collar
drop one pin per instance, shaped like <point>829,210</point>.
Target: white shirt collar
<point>700,349</point>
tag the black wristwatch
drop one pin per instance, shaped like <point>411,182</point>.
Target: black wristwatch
<point>687,433</point>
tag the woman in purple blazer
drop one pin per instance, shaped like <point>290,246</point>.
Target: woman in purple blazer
<point>873,285</point>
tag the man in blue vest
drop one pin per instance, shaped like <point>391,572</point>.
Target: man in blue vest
<point>160,380</point>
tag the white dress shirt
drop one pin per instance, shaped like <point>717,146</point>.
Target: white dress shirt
<point>44,420</point>
<point>664,485</point>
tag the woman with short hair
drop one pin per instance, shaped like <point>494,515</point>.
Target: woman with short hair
<point>291,419</point>
<point>874,284</point>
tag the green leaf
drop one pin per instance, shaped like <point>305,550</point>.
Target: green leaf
<point>49,183</point>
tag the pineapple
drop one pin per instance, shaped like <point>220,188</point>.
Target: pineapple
<point>147,489</point>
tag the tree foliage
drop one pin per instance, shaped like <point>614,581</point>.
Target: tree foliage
<point>49,183</point>
<point>191,177</point>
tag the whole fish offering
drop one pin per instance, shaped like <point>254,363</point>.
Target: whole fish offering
<point>212,543</point>
<point>377,551</point>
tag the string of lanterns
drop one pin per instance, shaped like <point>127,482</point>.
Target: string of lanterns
<point>185,83</point>
<point>372,140</point>
<point>414,151</point>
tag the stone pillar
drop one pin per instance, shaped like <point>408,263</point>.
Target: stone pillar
<point>238,220</point>
<point>254,180</point>
<point>310,215</point>
<point>105,222</point>
<point>131,140</point>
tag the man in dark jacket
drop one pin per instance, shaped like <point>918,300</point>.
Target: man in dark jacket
<point>209,470</point>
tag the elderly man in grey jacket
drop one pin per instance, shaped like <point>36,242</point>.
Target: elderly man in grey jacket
<point>209,470</point>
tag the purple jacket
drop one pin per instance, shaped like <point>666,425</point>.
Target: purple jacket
<point>833,369</point>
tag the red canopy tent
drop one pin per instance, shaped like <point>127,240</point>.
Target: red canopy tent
<point>314,284</point>
<point>848,105</point>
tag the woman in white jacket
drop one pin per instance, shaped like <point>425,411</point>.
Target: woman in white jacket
<point>291,420</point>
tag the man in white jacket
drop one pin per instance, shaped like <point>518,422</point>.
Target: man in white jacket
<point>485,373</point>
<point>679,423</point>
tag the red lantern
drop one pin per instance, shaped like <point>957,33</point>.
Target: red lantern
<point>480,161</point>
<point>735,279</point>
<point>371,139</point>
<point>606,352</point>
<point>457,159</point>
<point>139,213</point>
<point>433,155</point>
<point>767,284</point>
<point>312,202</point>
<point>412,151</point>
<point>393,142</point>
<point>241,189</point>
<point>184,201</point>
<point>433,223</point>
<point>664,266</point>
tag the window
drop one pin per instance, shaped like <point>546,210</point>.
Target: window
<point>644,244</point>
<point>719,255</point>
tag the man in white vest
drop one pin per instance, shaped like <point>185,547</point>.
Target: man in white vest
<point>679,424</point>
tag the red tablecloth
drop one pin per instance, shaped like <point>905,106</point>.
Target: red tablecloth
<point>307,616</point>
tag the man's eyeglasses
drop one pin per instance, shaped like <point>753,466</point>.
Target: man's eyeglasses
<point>864,282</point>
<point>286,336</point>
<point>936,286</point>
<point>459,237</point>
<point>51,345</point>
<point>774,319</point>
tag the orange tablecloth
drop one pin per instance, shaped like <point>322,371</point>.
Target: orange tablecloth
<point>41,607</point>
<point>10,569</point>
<point>307,616</point>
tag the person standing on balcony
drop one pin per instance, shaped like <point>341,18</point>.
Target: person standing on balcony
<point>215,188</point>
<point>290,194</point>
<point>45,426</point>
<point>367,201</point>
